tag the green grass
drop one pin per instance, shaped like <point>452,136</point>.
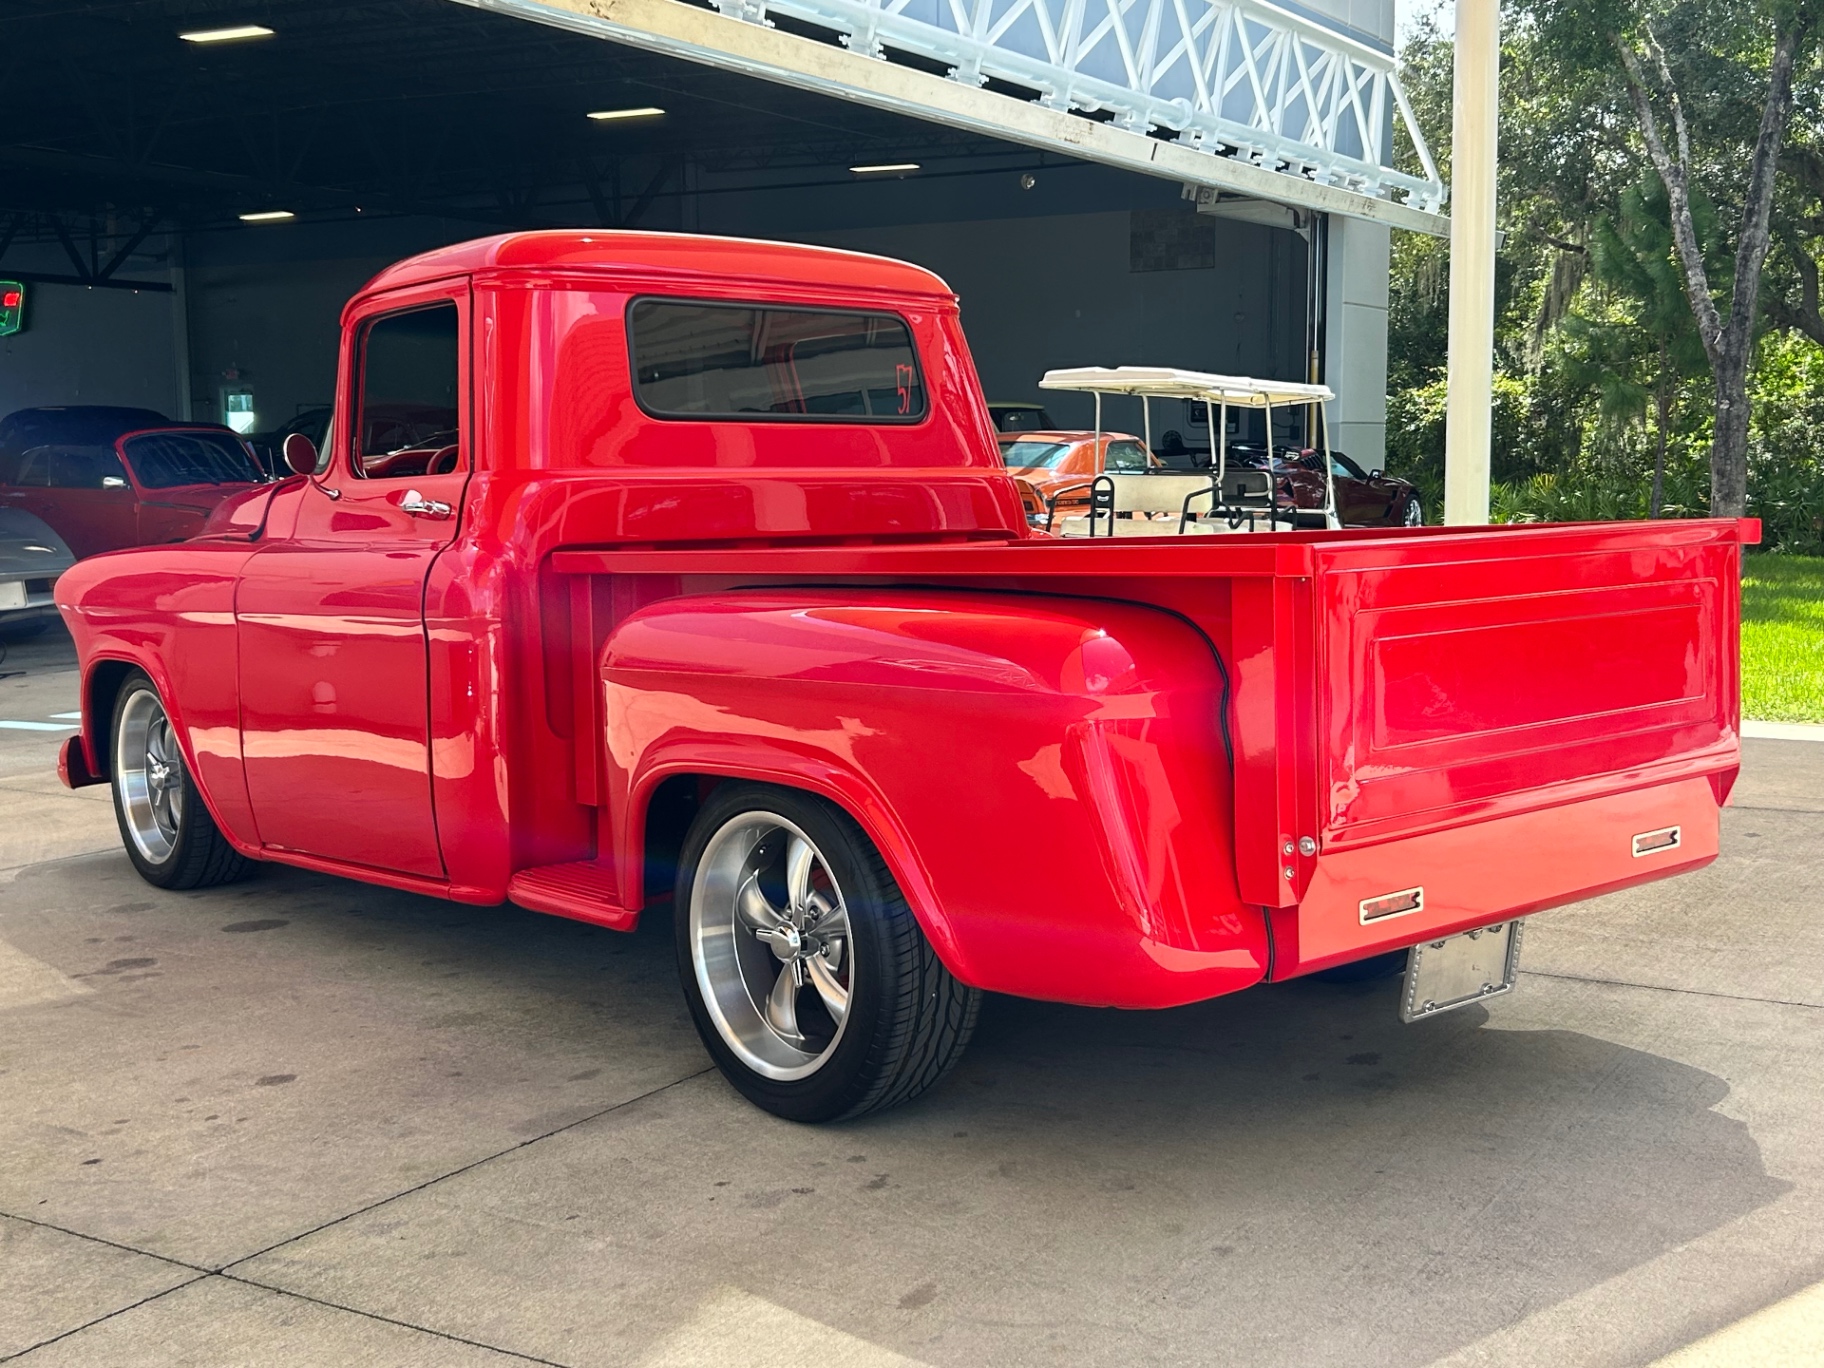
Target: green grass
<point>1783,638</point>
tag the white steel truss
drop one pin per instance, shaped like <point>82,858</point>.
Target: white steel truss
<point>1268,103</point>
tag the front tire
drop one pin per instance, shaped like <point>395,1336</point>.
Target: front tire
<point>168,832</point>
<point>807,976</point>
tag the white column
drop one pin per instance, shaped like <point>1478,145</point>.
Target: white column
<point>1355,338</point>
<point>1467,414</point>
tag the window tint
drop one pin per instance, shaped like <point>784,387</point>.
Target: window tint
<point>409,373</point>
<point>166,460</point>
<point>726,361</point>
<point>1126,456</point>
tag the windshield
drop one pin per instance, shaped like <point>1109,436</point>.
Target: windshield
<point>1034,455</point>
<point>1340,465</point>
<point>167,460</point>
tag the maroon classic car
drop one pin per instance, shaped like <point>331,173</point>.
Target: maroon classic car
<point>1364,498</point>
<point>102,491</point>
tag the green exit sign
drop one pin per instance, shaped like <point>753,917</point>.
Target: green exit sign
<point>12,307</point>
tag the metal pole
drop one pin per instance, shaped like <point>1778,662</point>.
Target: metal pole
<point>1468,408</point>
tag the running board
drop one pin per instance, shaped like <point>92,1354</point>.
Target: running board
<point>583,891</point>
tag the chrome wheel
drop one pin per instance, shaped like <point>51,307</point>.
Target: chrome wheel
<point>1415,514</point>
<point>149,769</point>
<point>771,946</point>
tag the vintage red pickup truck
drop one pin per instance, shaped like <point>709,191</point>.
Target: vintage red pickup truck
<point>695,577</point>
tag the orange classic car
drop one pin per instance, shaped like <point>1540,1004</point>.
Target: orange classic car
<point>1058,467</point>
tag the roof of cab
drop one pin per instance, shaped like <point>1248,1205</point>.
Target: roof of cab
<point>676,255</point>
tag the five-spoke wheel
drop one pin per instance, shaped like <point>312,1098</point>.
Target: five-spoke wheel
<point>168,832</point>
<point>149,774</point>
<point>770,945</point>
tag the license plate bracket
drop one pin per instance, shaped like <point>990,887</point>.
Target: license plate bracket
<point>1472,966</point>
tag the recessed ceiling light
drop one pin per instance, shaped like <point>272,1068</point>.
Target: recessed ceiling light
<point>884,167</point>
<point>227,35</point>
<point>268,216</point>
<point>643,112</point>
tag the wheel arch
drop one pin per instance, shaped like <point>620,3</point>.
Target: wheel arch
<point>664,800</point>
<point>106,675</point>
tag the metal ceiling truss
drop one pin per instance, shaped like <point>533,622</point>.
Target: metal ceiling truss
<point>1268,103</point>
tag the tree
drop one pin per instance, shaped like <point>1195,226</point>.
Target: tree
<point>1732,58</point>
<point>1635,341</point>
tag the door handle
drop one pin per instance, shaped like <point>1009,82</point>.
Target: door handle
<point>420,507</point>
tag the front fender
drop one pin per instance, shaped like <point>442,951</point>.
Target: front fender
<point>1044,776</point>
<point>169,611</point>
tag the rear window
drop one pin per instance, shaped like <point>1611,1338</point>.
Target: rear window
<point>168,460</point>
<point>700,360</point>
<point>1034,455</point>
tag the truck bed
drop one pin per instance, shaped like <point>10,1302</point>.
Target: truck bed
<point>1406,709</point>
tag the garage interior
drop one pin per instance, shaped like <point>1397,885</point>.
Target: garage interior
<point>388,128</point>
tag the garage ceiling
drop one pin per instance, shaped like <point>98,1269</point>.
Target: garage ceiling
<point>112,126</point>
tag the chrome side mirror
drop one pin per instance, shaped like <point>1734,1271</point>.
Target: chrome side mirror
<point>300,454</point>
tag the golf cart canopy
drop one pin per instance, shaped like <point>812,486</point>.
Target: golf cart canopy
<point>1166,382</point>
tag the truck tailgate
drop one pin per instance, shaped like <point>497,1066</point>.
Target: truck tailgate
<point>1490,719</point>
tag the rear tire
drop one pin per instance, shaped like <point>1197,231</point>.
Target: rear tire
<point>808,978</point>
<point>168,832</point>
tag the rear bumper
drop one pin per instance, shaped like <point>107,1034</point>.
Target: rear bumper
<point>1488,871</point>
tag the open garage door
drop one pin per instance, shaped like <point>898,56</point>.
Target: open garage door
<point>1235,95</point>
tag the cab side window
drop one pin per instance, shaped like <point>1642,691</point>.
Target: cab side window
<point>84,467</point>
<point>410,421</point>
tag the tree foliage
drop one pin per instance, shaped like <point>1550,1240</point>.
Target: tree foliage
<point>1630,303</point>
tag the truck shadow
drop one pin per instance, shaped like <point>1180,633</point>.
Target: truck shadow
<point>1405,1190</point>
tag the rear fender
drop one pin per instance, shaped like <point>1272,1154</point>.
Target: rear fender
<point>1044,776</point>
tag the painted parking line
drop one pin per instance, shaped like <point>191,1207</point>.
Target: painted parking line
<point>8,724</point>
<point>68,717</point>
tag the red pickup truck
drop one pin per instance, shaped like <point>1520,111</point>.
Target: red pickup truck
<point>698,578</point>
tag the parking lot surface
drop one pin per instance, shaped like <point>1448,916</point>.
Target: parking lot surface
<point>304,1121</point>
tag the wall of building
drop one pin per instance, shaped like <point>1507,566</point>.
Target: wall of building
<point>1064,291</point>
<point>88,346</point>
<point>1086,267</point>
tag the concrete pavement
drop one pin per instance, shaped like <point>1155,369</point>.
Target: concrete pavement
<point>302,1121</point>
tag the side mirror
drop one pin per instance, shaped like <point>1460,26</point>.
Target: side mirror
<point>1377,474</point>
<point>301,454</point>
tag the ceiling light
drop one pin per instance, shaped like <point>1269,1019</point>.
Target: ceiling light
<point>884,167</point>
<point>268,216</point>
<point>227,35</point>
<point>643,112</point>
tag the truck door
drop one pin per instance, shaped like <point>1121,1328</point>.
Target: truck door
<point>333,657</point>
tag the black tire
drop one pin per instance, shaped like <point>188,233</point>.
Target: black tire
<point>198,855</point>
<point>907,1019</point>
<point>1366,970</point>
